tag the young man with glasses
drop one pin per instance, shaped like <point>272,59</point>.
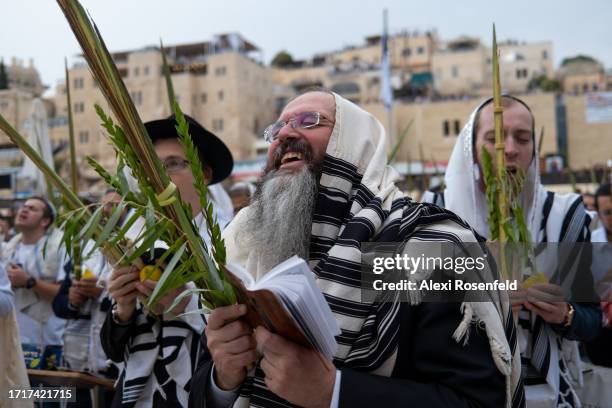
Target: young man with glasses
<point>151,376</point>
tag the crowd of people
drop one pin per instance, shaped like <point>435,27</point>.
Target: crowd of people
<point>325,191</point>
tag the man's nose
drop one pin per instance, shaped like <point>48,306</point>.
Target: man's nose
<point>286,132</point>
<point>510,147</point>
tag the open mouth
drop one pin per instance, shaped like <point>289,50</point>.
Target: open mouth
<point>290,157</point>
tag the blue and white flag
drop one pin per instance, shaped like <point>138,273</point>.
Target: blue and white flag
<point>386,93</point>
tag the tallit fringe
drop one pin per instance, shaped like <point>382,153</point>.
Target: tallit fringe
<point>462,332</point>
<point>503,362</point>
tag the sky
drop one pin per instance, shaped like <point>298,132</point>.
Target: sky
<point>37,29</point>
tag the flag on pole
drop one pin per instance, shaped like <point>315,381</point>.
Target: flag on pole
<point>386,93</point>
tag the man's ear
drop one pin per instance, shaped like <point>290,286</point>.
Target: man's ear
<point>45,222</point>
<point>208,174</point>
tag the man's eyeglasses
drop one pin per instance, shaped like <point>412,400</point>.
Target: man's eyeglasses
<point>304,120</point>
<point>175,164</point>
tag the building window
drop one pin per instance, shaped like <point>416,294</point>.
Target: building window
<point>78,83</point>
<point>79,107</point>
<point>420,50</point>
<point>454,71</point>
<point>220,95</point>
<point>136,71</point>
<point>145,70</point>
<point>220,71</point>
<point>84,137</point>
<point>544,54</point>
<point>217,125</point>
<point>595,87</point>
<point>585,87</point>
<point>446,128</point>
<point>406,52</point>
<point>521,73</point>
<point>457,127</point>
<point>203,97</point>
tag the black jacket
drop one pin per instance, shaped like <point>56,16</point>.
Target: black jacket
<point>432,370</point>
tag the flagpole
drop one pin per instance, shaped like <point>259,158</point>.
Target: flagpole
<point>386,92</point>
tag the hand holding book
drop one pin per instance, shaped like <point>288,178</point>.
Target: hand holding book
<point>285,306</point>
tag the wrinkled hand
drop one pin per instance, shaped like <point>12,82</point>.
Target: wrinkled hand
<point>295,373</point>
<point>17,276</point>
<point>88,288</point>
<point>146,289</point>
<point>231,344</point>
<point>547,301</point>
<point>122,287</point>
<point>76,298</point>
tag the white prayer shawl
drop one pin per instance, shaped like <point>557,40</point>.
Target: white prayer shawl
<point>464,197</point>
<point>12,363</point>
<point>356,171</point>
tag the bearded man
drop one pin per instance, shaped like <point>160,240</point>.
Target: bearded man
<point>326,190</point>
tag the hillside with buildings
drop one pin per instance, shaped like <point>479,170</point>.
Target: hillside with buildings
<point>224,83</point>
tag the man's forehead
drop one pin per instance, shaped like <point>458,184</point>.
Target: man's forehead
<point>486,116</point>
<point>33,202</point>
<point>169,147</point>
<point>312,101</point>
<point>604,199</point>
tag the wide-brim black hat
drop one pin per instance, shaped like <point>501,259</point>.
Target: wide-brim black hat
<point>213,152</point>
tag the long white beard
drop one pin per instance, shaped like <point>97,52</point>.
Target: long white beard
<point>281,221</point>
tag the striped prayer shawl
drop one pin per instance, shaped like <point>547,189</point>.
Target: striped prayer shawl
<point>357,202</point>
<point>159,361</point>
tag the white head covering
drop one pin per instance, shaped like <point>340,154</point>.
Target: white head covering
<point>463,195</point>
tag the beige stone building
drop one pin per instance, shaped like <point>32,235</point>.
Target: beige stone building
<point>436,125</point>
<point>463,66</point>
<point>578,77</point>
<point>220,83</point>
<point>354,71</point>
<point>24,85</point>
<point>589,144</point>
<point>460,68</point>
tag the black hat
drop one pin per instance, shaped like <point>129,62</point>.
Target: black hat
<point>213,152</point>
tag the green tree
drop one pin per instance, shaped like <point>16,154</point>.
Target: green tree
<point>544,83</point>
<point>578,58</point>
<point>282,59</point>
<point>3,76</point>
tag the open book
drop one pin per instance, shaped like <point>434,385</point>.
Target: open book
<point>287,301</point>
